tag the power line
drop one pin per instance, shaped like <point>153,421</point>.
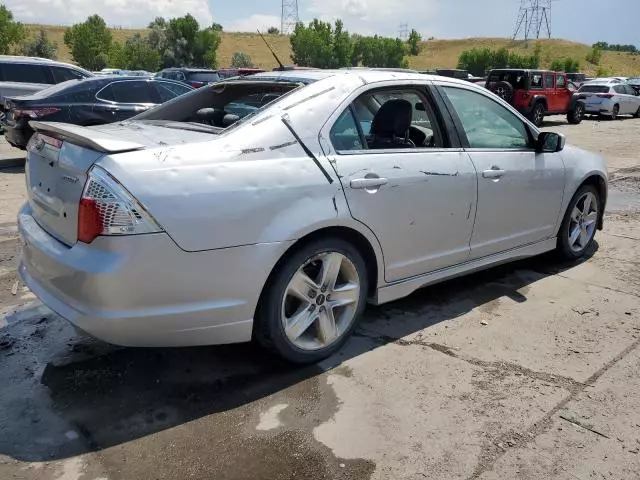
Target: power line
<point>534,18</point>
<point>289,17</point>
<point>403,31</point>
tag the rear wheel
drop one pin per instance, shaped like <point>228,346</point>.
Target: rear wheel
<point>313,301</point>
<point>576,114</point>
<point>504,90</point>
<point>615,112</point>
<point>537,114</point>
<point>637,114</point>
<point>580,223</point>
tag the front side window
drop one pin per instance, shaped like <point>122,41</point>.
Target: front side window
<point>560,81</point>
<point>486,123</point>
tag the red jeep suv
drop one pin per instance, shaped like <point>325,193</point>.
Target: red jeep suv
<point>536,93</point>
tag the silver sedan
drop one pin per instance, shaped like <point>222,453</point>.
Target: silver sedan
<point>275,206</point>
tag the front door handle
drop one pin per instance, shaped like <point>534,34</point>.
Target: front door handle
<point>372,182</point>
<point>494,172</point>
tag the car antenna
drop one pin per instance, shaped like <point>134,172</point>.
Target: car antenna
<point>280,66</point>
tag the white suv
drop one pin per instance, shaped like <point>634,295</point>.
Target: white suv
<point>610,98</point>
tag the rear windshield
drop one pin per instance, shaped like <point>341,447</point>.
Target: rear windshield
<point>517,79</point>
<point>594,89</point>
<point>203,77</point>
<point>55,90</point>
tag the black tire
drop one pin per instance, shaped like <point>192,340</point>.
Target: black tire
<point>564,248</point>
<point>615,112</point>
<point>503,89</point>
<point>575,116</point>
<point>268,326</point>
<point>537,114</point>
<point>637,114</point>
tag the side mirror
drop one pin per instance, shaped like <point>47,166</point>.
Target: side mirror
<point>549,142</point>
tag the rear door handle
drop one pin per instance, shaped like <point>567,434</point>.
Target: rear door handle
<point>368,182</point>
<point>494,172</point>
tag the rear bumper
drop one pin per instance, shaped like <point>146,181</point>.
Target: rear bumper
<point>18,137</point>
<point>604,108</point>
<point>142,290</point>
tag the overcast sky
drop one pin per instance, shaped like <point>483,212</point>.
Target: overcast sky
<point>581,20</point>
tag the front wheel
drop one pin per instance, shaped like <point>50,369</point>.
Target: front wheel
<point>576,115</point>
<point>313,301</point>
<point>580,223</point>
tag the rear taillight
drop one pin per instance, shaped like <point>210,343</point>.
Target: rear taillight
<point>107,208</point>
<point>34,112</point>
<point>195,84</point>
<point>606,95</point>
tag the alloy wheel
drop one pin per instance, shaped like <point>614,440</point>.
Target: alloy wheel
<point>584,217</point>
<point>538,115</point>
<point>320,301</point>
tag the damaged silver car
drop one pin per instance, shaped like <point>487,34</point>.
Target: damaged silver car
<point>275,206</point>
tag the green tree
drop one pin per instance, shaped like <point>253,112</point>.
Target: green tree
<point>241,60</point>
<point>557,65</point>
<point>414,43</point>
<point>89,43</point>
<point>11,32</point>
<point>500,59</point>
<point>273,31</point>
<point>595,55</point>
<point>40,46</point>
<point>379,52</point>
<point>216,27</point>
<point>138,54</point>
<point>321,45</point>
<point>477,61</point>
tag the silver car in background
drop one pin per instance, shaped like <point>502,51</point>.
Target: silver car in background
<point>275,206</point>
<point>610,98</point>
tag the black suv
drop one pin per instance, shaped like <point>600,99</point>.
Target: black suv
<point>27,75</point>
<point>194,77</point>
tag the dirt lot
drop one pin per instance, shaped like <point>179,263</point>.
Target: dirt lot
<point>528,371</point>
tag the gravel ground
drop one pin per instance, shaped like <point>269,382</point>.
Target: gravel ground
<point>527,371</point>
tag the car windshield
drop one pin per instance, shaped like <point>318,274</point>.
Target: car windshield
<point>220,105</point>
<point>516,78</point>
<point>594,89</point>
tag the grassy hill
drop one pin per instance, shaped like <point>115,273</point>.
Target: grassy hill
<point>434,53</point>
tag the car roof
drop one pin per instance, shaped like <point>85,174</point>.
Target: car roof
<point>35,60</point>
<point>188,69</point>
<point>366,75</point>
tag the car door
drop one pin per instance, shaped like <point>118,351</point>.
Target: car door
<point>519,191</point>
<point>550,91</point>
<point>418,199</point>
<point>563,93</point>
<point>131,97</point>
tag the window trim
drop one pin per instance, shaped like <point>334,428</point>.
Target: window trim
<point>114,102</point>
<point>176,83</point>
<point>424,91</point>
<point>531,130</point>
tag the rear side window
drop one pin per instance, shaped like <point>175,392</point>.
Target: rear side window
<point>560,82</point>
<point>168,90</point>
<point>344,133</point>
<point>25,73</point>
<point>620,89</point>
<point>548,80</point>
<point>536,80</point>
<point>130,92</point>
<point>62,74</point>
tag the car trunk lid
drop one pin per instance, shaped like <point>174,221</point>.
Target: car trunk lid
<point>59,157</point>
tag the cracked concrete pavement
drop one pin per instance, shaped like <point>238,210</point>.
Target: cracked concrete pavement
<point>526,371</point>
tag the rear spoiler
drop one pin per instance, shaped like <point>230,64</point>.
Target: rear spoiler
<point>85,137</point>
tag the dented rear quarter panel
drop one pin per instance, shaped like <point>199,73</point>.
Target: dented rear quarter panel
<point>252,184</point>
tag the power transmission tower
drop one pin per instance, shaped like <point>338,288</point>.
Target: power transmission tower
<point>289,17</point>
<point>534,17</point>
<point>403,31</point>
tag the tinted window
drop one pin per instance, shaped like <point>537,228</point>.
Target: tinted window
<point>24,72</point>
<point>62,74</point>
<point>620,89</point>
<point>548,80</point>
<point>204,77</point>
<point>486,123</point>
<point>344,133</point>
<point>132,91</point>
<point>560,82</point>
<point>168,90</point>
<point>594,89</point>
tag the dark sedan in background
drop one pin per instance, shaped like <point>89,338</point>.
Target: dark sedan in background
<point>89,101</point>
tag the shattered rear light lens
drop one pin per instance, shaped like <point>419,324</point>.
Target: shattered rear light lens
<point>107,208</point>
